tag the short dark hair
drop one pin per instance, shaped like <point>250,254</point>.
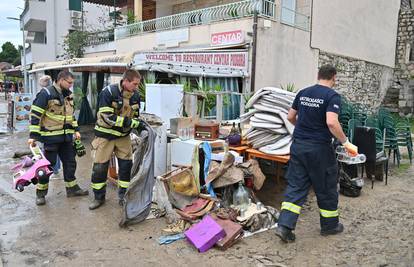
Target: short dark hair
<point>64,74</point>
<point>131,74</point>
<point>326,72</point>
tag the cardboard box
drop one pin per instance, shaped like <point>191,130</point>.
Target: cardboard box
<point>181,122</point>
<point>205,234</point>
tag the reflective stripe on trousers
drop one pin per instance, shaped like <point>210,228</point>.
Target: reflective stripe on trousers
<point>98,186</point>
<point>291,207</point>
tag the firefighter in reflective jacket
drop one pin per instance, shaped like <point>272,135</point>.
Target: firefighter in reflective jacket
<point>52,123</point>
<point>118,113</point>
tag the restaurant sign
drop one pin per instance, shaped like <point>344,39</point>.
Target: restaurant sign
<point>227,38</point>
<point>234,60</point>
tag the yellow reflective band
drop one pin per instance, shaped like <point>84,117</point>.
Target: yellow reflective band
<point>38,109</point>
<point>59,117</point>
<point>75,124</point>
<point>123,184</point>
<point>119,121</point>
<point>34,128</point>
<point>109,131</point>
<point>329,213</point>
<point>34,115</point>
<point>291,207</point>
<point>71,184</point>
<point>52,133</point>
<point>106,109</point>
<point>98,186</point>
<point>58,132</point>
<point>42,186</point>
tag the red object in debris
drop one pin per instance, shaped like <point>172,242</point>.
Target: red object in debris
<point>248,182</point>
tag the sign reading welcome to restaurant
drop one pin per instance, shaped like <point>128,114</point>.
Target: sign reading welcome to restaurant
<point>227,38</point>
<point>235,60</point>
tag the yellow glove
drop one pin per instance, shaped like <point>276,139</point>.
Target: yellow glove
<point>350,148</point>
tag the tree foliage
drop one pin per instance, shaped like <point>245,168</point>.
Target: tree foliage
<point>74,44</point>
<point>9,54</point>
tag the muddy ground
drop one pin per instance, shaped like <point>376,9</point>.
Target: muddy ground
<point>379,229</point>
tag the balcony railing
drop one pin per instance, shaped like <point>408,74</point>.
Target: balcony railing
<point>294,18</point>
<point>232,11</point>
<point>97,38</point>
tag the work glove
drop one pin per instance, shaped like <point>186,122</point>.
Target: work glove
<point>140,126</point>
<point>134,124</point>
<point>79,148</point>
<point>350,148</point>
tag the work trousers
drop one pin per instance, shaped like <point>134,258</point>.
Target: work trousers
<point>311,164</point>
<point>66,153</point>
<point>102,150</point>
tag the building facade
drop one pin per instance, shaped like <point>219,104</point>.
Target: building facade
<point>47,22</point>
<point>246,45</point>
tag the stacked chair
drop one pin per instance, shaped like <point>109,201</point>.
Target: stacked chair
<point>391,133</point>
<point>404,137</point>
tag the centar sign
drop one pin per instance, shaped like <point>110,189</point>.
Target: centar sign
<point>227,38</point>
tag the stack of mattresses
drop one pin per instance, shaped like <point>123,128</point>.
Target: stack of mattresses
<point>270,132</point>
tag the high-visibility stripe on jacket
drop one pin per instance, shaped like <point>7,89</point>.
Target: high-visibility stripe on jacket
<point>51,116</point>
<point>115,111</point>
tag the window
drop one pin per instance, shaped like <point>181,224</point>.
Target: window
<point>75,5</point>
<point>288,11</point>
<point>409,53</point>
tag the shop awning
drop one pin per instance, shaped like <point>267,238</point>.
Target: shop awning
<point>16,72</point>
<point>208,63</point>
<point>121,60</point>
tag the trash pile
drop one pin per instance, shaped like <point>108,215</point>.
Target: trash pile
<point>212,203</point>
<point>270,131</point>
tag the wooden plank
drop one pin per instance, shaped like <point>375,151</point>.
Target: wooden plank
<point>254,153</point>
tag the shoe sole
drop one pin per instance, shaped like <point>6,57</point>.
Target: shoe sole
<point>330,233</point>
<point>284,239</point>
<point>80,195</point>
<point>96,207</point>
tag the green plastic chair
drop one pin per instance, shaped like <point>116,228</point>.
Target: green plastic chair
<point>404,138</point>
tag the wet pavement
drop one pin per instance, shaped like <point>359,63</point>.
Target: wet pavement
<point>379,228</point>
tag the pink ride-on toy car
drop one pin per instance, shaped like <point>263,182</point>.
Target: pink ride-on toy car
<point>31,169</point>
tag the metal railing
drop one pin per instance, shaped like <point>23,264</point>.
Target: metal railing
<point>293,18</point>
<point>232,11</point>
<point>97,38</point>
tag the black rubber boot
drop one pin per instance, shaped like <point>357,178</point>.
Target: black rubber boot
<point>338,229</point>
<point>40,201</point>
<point>121,196</point>
<point>76,191</point>
<point>96,203</point>
<point>40,197</point>
<point>285,234</point>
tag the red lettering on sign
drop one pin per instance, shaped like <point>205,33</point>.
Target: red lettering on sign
<point>227,38</point>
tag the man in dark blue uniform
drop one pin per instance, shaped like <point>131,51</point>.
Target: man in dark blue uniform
<point>312,158</point>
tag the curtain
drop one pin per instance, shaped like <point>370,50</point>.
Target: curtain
<point>100,79</point>
<point>231,103</point>
<point>85,114</point>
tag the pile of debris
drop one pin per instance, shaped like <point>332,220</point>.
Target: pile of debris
<point>270,131</point>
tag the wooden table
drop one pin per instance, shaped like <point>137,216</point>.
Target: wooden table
<point>283,159</point>
<point>240,149</point>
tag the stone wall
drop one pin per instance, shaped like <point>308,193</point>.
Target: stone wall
<point>404,67</point>
<point>358,80</point>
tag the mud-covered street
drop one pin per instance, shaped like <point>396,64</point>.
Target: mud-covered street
<point>379,229</point>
